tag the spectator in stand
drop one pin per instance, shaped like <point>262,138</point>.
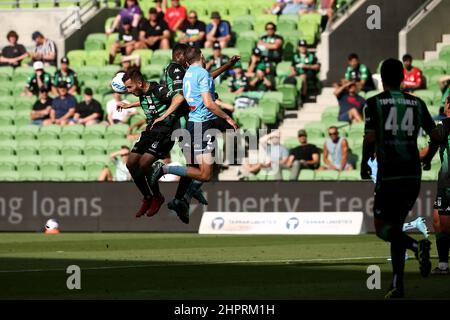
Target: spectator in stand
<point>305,156</point>
<point>63,107</point>
<point>277,7</point>
<point>260,71</point>
<point>326,10</point>
<point>133,61</point>
<point>126,42</point>
<point>160,6</point>
<point>119,159</point>
<point>238,82</point>
<point>272,156</point>
<point>134,131</point>
<point>307,6</point>
<point>216,60</point>
<point>305,66</point>
<point>292,7</point>
<point>40,114</point>
<point>359,73</point>
<point>14,53</point>
<point>412,76</point>
<point>45,49</point>
<point>257,62</point>
<point>67,76</point>
<point>193,32</point>
<point>175,16</point>
<point>115,116</point>
<point>351,104</point>
<point>336,148</point>
<point>89,111</point>
<point>131,11</point>
<point>271,44</point>
<point>444,85</point>
<point>39,79</point>
<point>218,30</point>
<point>154,34</point>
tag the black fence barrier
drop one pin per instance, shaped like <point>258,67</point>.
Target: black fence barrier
<point>111,206</point>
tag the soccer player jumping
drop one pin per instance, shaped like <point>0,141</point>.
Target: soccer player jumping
<point>392,122</point>
<point>199,92</point>
<point>441,213</point>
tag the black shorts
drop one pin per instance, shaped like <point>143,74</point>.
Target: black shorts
<point>157,143</point>
<point>442,202</point>
<point>200,141</point>
<point>394,199</point>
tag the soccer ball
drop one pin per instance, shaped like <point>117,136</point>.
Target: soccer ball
<point>51,224</point>
<point>117,83</point>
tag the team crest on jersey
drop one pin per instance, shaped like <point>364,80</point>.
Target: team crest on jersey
<point>176,70</point>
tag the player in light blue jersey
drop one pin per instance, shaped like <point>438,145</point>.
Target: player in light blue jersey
<point>204,115</point>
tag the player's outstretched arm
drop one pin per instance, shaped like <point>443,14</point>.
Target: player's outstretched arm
<point>177,100</point>
<point>225,67</point>
<point>124,105</point>
<point>214,108</point>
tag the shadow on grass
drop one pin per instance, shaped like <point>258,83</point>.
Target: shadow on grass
<point>46,279</point>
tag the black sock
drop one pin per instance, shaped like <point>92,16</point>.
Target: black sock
<point>183,186</point>
<point>141,182</point>
<point>442,245</point>
<point>398,251</point>
<point>154,188</point>
<point>193,188</point>
<point>394,233</point>
<point>409,243</point>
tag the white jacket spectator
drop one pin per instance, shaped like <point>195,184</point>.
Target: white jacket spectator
<point>115,116</point>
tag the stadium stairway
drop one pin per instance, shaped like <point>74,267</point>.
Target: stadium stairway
<point>311,112</point>
<point>432,55</point>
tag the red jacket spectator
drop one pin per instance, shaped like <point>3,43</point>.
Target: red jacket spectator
<point>412,75</point>
<point>175,16</point>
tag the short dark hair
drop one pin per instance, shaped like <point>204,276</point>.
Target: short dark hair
<point>407,57</point>
<point>333,127</point>
<point>271,24</point>
<point>125,3</point>
<point>193,54</point>
<point>392,72</point>
<point>12,33</point>
<point>179,52</point>
<point>134,74</point>
<point>152,11</point>
<point>352,56</point>
<point>125,147</point>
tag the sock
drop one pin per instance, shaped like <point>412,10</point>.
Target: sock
<point>398,263</point>
<point>193,188</point>
<point>176,170</point>
<point>182,188</point>
<point>141,182</point>
<point>155,188</point>
<point>442,244</point>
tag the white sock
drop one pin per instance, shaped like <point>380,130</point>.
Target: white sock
<point>443,265</point>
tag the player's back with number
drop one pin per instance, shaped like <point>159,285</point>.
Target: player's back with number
<point>196,81</point>
<point>396,118</point>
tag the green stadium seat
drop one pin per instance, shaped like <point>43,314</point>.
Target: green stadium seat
<point>53,175</point>
<point>99,159</point>
<point>94,150</point>
<point>153,70</point>
<point>273,95</point>
<point>73,147</point>
<point>435,67</point>
<point>50,147</point>
<point>9,176</point>
<point>284,25</point>
<point>290,143</point>
<point>7,166</point>
<point>95,41</point>
<point>23,103</point>
<point>290,43</point>
<point>79,175</point>
<point>269,111</point>
<point>21,74</point>
<point>249,121</point>
<point>243,18</point>
<point>6,74</point>
<point>94,131</point>
<point>426,95</point>
<point>77,128</point>
<point>108,23</point>
<point>444,53</point>
<point>28,132</point>
<point>97,58</point>
<point>30,175</point>
<point>230,51</point>
<point>118,143</point>
<point>306,175</point>
<point>52,159</point>
<point>161,57</point>
<point>87,72</point>
<point>116,131</point>
<point>6,135</point>
<point>326,175</point>
<point>52,130</point>
<point>77,58</point>
<point>242,26</point>
<point>315,126</point>
<point>6,102</point>
<point>352,175</point>
<point>7,116</point>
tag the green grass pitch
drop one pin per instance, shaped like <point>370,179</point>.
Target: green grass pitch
<point>192,266</point>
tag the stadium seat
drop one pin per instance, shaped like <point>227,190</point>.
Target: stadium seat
<point>79,175</point>
<point>116,131</point>
<point>95,41</point>
<point>27,148</point>
<point>284,25</point>
<point>306,175</point>
<point>7,166</point>
<point>9,175</point>
<point>269,111</point>
<point>153,70</point>
<point>291,143</point>
<point>435,67</point>
<point>73,147</point>
<point>326,175</point>
<point>77,58</point>
<point>53,175</point>
<point>289,92</point>
<point>249,120</point>
<point>242,26</point>
<point>95,131</point>
<point>243,18</point>
<point>97,58</point>
<point>54,160</point>
<point>28,132</point>
<point>290,43</point>
<point>6,74</point>
<point>6,102</point>
<point>318,127</point>
<point>50,147</point>
<point>108,23</point>
<point>353,175</point>
<point>426,95</point>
